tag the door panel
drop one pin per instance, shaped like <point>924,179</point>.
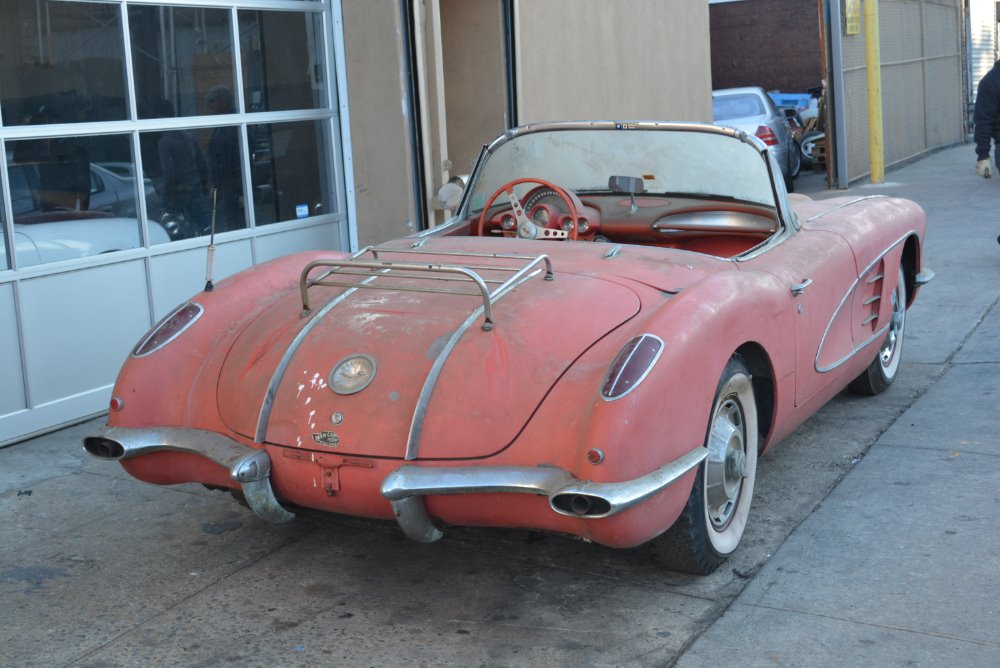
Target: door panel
<point>822,264</point>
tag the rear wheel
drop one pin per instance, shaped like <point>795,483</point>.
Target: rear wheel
<point>807,147</point>
<point>713,521</point>
<point>885,367</point>
<point>795,159</point>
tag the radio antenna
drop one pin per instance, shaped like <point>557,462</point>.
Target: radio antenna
<point>209,286</point>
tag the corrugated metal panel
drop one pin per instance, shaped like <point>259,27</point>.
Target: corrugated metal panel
<point>922,101</point>
<point>982,41</point>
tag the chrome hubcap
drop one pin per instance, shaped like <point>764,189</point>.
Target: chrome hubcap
<point>895,329</point>
<point>726,464</point>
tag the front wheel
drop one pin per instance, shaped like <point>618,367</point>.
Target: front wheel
<point>885,367</point>
<point>712,523</point>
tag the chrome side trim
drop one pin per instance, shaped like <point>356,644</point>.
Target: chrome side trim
<point>279,372</point>
<point>286,359</point>
<point>845,204</point>
<point>404,487</point>
<point>420,410</point>
<point>250,467</point>
<point>843,302</point>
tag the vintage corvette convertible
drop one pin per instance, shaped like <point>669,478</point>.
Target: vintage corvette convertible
<point>617,321</point>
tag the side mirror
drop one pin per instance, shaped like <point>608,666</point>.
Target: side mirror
<point>450,194</point>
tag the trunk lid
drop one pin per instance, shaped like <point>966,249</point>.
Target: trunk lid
<point>488,386</point>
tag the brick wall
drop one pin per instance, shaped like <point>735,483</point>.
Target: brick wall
<point>771,43</point>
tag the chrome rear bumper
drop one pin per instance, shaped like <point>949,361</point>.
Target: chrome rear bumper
<point>567,495</point>
<point>249,467</point>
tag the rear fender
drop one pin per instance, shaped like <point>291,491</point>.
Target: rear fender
<point>176,385</point>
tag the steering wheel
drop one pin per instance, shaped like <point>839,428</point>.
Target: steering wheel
<point>526,228</point>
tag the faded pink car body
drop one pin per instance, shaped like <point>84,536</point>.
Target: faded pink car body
<point>524,396</point>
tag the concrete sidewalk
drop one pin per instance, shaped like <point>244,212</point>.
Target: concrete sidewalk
<point>899,565</point>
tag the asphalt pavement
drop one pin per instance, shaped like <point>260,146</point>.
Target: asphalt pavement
<point>874,539</point>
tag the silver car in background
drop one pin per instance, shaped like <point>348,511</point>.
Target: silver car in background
<point>751,110</point>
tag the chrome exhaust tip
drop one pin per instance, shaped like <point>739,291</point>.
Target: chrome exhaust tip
<point>581,505</point>
<point>103,448</point>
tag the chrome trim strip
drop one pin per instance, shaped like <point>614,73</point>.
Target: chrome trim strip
<point>404,487</point>
<point>840,307</point>
<point>845,204</point>
<point>420,410</point>
<point>286,359</point>
<point>624,126</point>
<point>410,480</point>
<point>272,387</point>
<point>250,467</point>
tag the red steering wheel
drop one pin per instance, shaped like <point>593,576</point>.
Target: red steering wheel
<point>526,228</point>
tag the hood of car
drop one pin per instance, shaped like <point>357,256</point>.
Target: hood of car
<point>424,378</point>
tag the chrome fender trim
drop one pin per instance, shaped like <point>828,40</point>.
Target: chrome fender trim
<point>404,487</point>
<point>250,467</point>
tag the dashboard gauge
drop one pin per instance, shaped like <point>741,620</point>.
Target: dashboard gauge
<point>540,216</point>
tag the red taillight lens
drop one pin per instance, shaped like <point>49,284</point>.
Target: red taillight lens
<point>766,135</point>
<point>631,365</point>
<point>168,329</point>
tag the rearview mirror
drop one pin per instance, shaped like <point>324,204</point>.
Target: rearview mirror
<point>626,184</point>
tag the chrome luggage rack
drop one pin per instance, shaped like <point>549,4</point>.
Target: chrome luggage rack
<point>378,268</point>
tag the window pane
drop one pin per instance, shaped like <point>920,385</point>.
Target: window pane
<point>282,65</point>
<point>75,196</point>
<point>61,62</point>
<point>180,55</point>
<point>290,177</point>
<point>195,173</point>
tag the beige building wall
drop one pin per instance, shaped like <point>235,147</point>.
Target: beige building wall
<point>621,59</point>
<point>380,123</point>
<point>475,76</point>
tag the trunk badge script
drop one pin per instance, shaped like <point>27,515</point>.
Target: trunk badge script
<point>329,438</point>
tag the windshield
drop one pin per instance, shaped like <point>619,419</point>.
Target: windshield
<point>669,162</point>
